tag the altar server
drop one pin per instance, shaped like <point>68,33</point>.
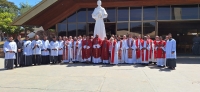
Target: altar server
<point>54,45</point>
<point>10,48</point>
<point>171,52</point>
<point>27,49</point>
<point>36,47</point>
<point>60,49</point>
<point>45,51</point>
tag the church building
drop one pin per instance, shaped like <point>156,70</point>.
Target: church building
<point>138,17</point>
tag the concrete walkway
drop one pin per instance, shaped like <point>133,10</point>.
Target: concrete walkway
<point>102,78</point>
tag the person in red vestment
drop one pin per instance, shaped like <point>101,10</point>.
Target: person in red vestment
<point>145,47</point>
<point>138,51</point>
<point>87,45</point>
<point>151,51</point>
<point>96,54</point>
<point>161,53</point>
<point>156,45</point>
<point>113,49</point>
<point>105,51</point>
<point>83,49</point>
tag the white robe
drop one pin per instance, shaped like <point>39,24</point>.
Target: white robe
<point>45,46</point>
<point>54,45</point>
<point>170,46</point>
<point>145,51</point>
<point>61,45</point>
<point>80,52</point>
<point>115,53</point>
<point>37,50</point>
<point>133,59</point>
<point>27,49</point>
<point>152,58</point>
<point>99,14</point>
<point>77,57</point>
<point>124,49</point>
<point>69,46</point>
<point>122,54</point>
<point>10,46</point>
<point>139,60</point>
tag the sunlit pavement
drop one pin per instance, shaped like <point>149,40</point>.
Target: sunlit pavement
<point>103,78</point>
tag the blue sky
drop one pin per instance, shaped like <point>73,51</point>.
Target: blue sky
<point>31,2</point>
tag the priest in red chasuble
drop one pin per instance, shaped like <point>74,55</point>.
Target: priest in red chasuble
<point>138,51</point>
<point>105,51</point>
<point>156,45</point>
<point>113,51</point>
<point>151,51</point>
<point>96,54</point>
<point>87,45</point>
<point>160,53</point>
<point>83,49</point>
<point>145,47</point>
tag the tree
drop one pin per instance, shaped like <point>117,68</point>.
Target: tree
<point>6,6</point>
<point>24,7</point>
<point>5,19</point>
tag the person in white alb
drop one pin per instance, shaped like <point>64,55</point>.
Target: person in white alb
<point>45,51</point>
<point>113,51</point>
<point>130,50</point>
<point>54,45</point>
<point>27,51</point>
<point>76,45</point>
<point>60,49</point>
<point>36,49</point>
<point>10,48</point>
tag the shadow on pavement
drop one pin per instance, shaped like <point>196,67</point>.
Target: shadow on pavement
<point>3,69</point>
<point>188,60</point>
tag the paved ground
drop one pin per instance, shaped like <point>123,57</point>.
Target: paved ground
<point>102,78</point>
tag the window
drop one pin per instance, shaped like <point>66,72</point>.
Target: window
<point>164,13</point>
<point>149,29</point>
<point>123,14</point>
<point>149,13</point>
<point>71,29</point>
<point>62,28</point>
<point>111,14</point>
<point>184,12</point>
<point>122,28</point>
<point>81,28</point>
<point>81,15</point>
<point>136,28</point>
<point>72,18</point>
<point>135,13</point>
<point>90,11</point>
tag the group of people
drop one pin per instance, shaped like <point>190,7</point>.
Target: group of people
<point>116,50</point>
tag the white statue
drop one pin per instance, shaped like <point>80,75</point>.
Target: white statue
<point>99,14</point>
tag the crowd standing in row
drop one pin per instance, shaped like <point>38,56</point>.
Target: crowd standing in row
<point>129,50</point>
